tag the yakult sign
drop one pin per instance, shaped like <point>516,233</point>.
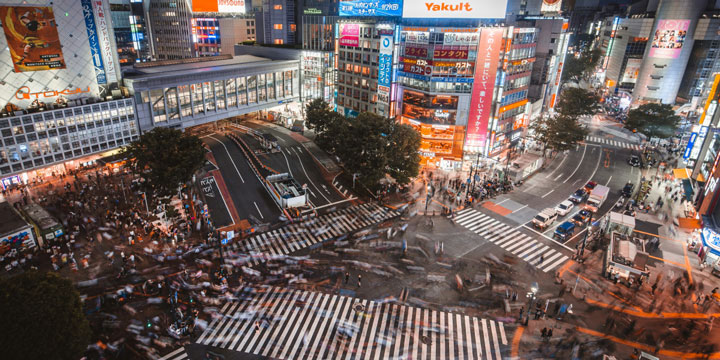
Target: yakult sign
<point>455,9</point>
<point>488,57</point>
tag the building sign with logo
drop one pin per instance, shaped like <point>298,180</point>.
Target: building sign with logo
<point>451,52</point>
<point>711,239</point>
<point>689,146</point>
<point>455,9</point>
<point>221,6</point>
<point>95,51</point>
<point>669,38</point>
<point>32,37</point>
<point>105,47</point>
<point>350,35</point>
<point>551,6</point>
<point>385,66</point>
<point>416,51</point>
<point>371,8</point>
<point>488,58</point>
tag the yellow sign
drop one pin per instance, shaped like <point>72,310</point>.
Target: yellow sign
<point>23,93</point>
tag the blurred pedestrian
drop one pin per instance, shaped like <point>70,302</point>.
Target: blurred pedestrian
<point>359,280</point>
<point>347,277</point>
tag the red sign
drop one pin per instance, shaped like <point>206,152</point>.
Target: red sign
<point>488,57</point>
<point>416,51</point>
<point>450,52</point>
<point>417,69</point>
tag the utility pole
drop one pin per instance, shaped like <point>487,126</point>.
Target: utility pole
<point>587,232</point>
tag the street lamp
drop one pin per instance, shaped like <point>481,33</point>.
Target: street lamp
<point>531,300</point>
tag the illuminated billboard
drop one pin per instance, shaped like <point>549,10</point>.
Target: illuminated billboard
<point>669,38</point>
<point>350,35</point>
<point>488,58</point>
<point>371,8</point>
<point>221,6</point>
<point>32,38</point>
<point>551,6</point>
<point>455,9</point>
<point>632,69</point>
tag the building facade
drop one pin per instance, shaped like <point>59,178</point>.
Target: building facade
<point>170,25</point>
<point>276,23</point>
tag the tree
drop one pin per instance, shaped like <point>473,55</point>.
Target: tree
<point>653,120</point>
<point>573,69</point>
<point>403,157</point>
<point>575,102</point>
<point>42,318</point>
<point>317,114</point>
<point>165,158</point>
<point>558,132</point>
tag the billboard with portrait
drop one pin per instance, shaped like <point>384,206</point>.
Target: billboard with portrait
<point>632,68</point>
<point>371,8</point>
<point>551,6</point>
<point>32,37</point>
<point>669,38</point>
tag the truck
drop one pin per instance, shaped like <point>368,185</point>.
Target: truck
<point>545,218</point>
<point>597,197</point>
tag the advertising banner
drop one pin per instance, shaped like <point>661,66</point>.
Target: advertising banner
<point>551,6</point>
<point>669,38</point>
<point>32,38</point>
<point>450,52</point>
<point>485,71</point>
<point>350,35</point>
<point>371,8</point>
<point>385,65</point>
<point>632,68</point>
<point>222,6</point>
<point>455,9</point>
<point>95,51</point>
<point>105,47</point>
<point>416,51</point>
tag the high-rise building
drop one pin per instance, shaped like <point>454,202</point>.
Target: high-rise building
<point>277,22</point>
<point>170,28</point>
<point>131,37</point>
<point>219,35</point>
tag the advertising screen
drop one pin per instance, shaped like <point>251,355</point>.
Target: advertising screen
<point>485,71</point>
<point>32,38</point>
<point>669,38</point>
<point>371,8</point>
<point>632,68</point>
<point>455,9</point>
<point>551,6</point>
<point>222,6</point>
<point>350,35</point>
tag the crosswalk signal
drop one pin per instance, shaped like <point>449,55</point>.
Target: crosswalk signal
<point>148,324</point>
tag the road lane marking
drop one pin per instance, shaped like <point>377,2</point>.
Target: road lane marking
<point>578,165</point>
<point>608,182</point>
<point>258,209</point>
<point>309,179</point>
<point>524,206</point>
<point>229,156</point>
<point>559,166</point>
<point>548,193</point>
<point>559,176</point>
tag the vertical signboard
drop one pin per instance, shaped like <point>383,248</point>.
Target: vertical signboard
<point>488,57</point>
<point>32,38</point>
<point>95,51</point>
<point>350,35</point>
<point>669,38</point>
<point>385,65</point>
<point>104,36</point>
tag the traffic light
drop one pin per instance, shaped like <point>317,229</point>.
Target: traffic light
<point>148,324</point>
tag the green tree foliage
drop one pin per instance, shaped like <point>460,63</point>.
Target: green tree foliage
<point>165,158</point>
<point>42,318</point>
<point>575,102</point>
<point>653,120</point>
<point>577,68</point>
<point>369,145</point>
<point>558,132</point>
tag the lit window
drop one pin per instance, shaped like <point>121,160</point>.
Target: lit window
<point>277,26</point>
<point>279,41</point>
<point>292,27</point>
<point>277,7</point>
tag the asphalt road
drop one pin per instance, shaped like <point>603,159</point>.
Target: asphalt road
<point>298,161</point>
<point>247,193</point>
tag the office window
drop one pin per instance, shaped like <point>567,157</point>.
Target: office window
<point>277,26</point>
<point>278,41</point>
<point>293,27</point>
<point>277,7</point>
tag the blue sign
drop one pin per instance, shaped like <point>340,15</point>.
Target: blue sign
<point>413,76</point>
<point>690,145</point>
<point>703,131</point>
<point>224,241</point>
<point>94,41</point>
<point>711,239</point>
<point>371,8</point>
<point>452,79</point>
<point>385,69</point>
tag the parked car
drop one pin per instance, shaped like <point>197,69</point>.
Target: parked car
<point>579,196</point>
<point>564,207</point>
<point>627,191</point>
<point>565,230</point>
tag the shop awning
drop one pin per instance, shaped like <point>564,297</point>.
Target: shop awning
<point>681,173</point>
<point>689,223</point>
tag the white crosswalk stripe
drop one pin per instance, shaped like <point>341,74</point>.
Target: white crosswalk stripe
<point>294,237</point>
<point>523,246</point>
<point>620,144</point>
<point>299,324</point>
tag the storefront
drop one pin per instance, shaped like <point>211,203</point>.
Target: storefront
<point>710,252</point>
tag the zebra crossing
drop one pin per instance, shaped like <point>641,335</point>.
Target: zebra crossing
<point>616,143</point>
<point>525,247</point>
<point>294,237</point>
<point>280,323</point>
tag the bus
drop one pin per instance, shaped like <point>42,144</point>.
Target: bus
<point>46,226</point>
